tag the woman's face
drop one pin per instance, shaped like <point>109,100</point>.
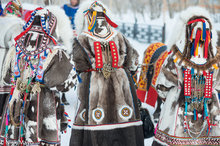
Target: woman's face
<point>73,2</point>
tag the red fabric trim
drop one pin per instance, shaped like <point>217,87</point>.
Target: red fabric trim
<point>22,33</point>
<point>187,82</point>
<point>208,85</point>
<point>152,96</point>
<point>198,36</point>
<point>141,94</point>
<point>196,20</point>
<point>98,55</point>
<point>114,52</point>
<point>110,21</point>
<point>207,40</point>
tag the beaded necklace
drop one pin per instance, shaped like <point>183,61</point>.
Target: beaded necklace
<point>197,92</point>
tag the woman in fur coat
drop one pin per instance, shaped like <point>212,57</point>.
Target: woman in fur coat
<point>107,112</point>
<point>34,66</point>
<point>189,81</point>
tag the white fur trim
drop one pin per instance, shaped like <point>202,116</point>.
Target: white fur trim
<point>63,29</point>
<point>130,112</point>
<point>9,62</point>
<point>49,58</point>
<point>108,126</point>
<point>81,115</point>
<point>178,35</point>
<point>15,97</point>
<point>11,26</point>
<point>101,39</point>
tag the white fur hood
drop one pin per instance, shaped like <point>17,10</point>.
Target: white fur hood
<point>80,22</point>
<point>64,29</point>
<point>178,35</point>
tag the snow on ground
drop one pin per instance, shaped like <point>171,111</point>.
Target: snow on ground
<point>72,98</point>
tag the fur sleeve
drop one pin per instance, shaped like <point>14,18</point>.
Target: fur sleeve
<point>80,57</point>
<point>8,65</point>
<point>58,68</point>
<point>168,78</point>
<point>131,60</point>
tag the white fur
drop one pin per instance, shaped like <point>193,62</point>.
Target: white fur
<point>64,29</point>
<point>80,21</point>
<point>9,25</point>
<point>50,122</point>
<point>9,62</point>
<point>50,57</point>
<point>178,35</point>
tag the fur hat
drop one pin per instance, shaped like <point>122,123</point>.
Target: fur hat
<point>80,21</point>
<point>178,36</point>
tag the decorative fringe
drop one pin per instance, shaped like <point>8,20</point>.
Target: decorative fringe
<point>92,24</point>
<point>5,142</point>
<point>110,21</point>
<point>79,78</point>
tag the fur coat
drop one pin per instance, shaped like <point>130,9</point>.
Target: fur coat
<point>108,113</point>
<point>33,113</point>
<point>189,82</point>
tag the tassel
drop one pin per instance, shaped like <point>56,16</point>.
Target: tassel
<point>21,141</point>
<point>197,118</point>
<point>204,31</point>
<point>192,48</point>
<point>191,37</point>
<point>207,40</point>
<point>5,142</point>
<point>110,21</point>
<point>195,115</point>
<point>93,22</point>
<point>198,35</point>
<point>155,131</point>
<point>79,79</point>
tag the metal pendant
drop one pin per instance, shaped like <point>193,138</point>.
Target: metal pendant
<point>36,88</point>
<point>106,71</point>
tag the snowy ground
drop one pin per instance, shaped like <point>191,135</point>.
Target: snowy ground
<point>72,98</point>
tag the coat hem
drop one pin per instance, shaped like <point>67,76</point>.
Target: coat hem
<point>174,140</point>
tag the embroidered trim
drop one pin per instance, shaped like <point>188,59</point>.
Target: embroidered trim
<point>98,55</point>
<point>98,114</point>
<point>114,52</point>
<point>174,140</point>
<point>82,115</point>
<point>125,112</point>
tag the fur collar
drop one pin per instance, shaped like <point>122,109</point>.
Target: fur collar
<point>183,61</point>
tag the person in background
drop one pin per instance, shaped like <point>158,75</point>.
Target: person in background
<point>1,9</point>
<point>13,8</point>
<point>71,9</point>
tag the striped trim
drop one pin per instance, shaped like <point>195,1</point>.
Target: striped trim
<point>5,89</point>
<point>107,126</point>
